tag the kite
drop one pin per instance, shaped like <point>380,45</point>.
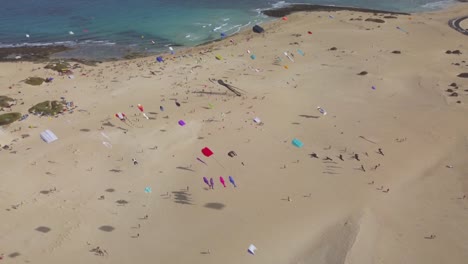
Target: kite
<point>252,249</point>
<point>208,153</point>
<point>206,181</point>
<point>297,143</point>
<point>221,179</point>
<point>231,179</point>
<point>181,123</point>
<point>289,57</point>
<point>212,183</point>
<point>121,116</point>
<point>142,111</point>
<point>202,161</point>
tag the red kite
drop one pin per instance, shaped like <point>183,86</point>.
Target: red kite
<point>121,116</point>
<point>207,152</point>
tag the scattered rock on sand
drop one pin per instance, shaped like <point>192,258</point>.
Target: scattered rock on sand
<point>456,52</point>
<point>333,48</point>
<point>376,20</point>
<point>362,73</point>
<point>463,75</point>
<point>396,52</point>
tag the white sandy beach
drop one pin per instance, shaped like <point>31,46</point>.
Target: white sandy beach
<point>50,202</point>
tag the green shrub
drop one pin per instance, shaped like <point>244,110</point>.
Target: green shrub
<point>8,118</point>
<point>35,80</point>
<point>6,101</point>
<point>49,108</point>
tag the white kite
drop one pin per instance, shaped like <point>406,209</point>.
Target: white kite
<point>252,249</point>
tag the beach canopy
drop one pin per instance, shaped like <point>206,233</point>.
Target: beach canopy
<point>48,136</point>
<point>258,29</point>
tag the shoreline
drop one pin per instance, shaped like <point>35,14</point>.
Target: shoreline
<point>45,53</point>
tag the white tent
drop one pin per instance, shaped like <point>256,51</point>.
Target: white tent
<point>48,136</point>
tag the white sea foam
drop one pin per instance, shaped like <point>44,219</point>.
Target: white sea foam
<point>219,27</point>
<point>280,4</point>
<point>438,5</point>
<point>58,43</point>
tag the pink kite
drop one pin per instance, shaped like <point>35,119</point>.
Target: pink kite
<point>221,179</point>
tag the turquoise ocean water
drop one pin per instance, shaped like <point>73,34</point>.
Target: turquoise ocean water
<point>110,28</point>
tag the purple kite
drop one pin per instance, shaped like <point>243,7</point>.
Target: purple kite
<point>206,181</point>
<point>231,179</point>
<point>221,179</point>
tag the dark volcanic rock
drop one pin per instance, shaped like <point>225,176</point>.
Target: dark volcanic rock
<point>284,11</point>
<point>30,53</point>
<point>463,75</point>
<point>333,48</point>
<point>376,20</point>
<point>453,94</point>
<point>396,52</point>
<point>362,73</point>
<point>453,85</point>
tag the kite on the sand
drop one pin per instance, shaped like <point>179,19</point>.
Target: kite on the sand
<point>221,179</point>
<point>231,179</point>
<point>140,107</point>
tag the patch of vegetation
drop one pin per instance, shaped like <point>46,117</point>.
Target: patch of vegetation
<point>8,118</point>
<point>61,66</point>
<point>35,80</point>
<point>49,108</point>
<point>6,101</point>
